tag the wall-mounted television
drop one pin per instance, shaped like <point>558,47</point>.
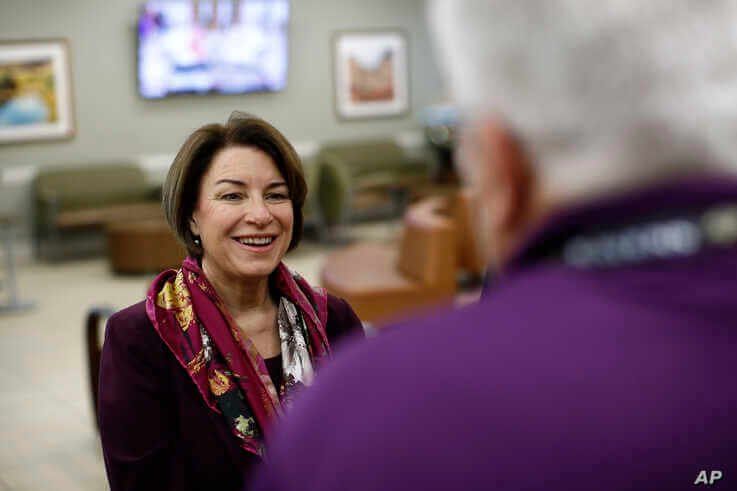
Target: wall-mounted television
<point>212,46</point>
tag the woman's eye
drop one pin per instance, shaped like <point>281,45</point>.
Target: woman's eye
<point>230,196</point>
<point>277,196</point>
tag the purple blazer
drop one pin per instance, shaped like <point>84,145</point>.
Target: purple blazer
<point>145,395</point>
<point>616,377</point>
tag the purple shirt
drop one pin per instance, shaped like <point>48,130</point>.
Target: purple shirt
<point>560,378</point>
<point>146,396</point>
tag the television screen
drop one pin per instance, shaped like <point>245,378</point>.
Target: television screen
<point>201,46</point>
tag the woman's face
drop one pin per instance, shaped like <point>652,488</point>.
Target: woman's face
<point>243,215</point>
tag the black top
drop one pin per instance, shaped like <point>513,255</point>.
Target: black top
<point>274,366</point>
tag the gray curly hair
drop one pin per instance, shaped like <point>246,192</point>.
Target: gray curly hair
<point>603,93</point>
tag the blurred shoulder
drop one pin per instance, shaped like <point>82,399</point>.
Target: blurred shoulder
<point>396,368</point>
<point>412,348</point>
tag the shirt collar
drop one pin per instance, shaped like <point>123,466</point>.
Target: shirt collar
<point>684,194</point>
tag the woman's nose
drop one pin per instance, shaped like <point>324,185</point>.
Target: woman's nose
<point>258,213</point>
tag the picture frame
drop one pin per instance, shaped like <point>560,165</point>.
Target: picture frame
<point>35,91</point>
<point>371,74</point>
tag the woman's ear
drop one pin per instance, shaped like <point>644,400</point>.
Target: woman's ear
<point>193,227</point>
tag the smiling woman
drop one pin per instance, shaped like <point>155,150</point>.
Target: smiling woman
<point>243,219</point>
<point>193,378</point>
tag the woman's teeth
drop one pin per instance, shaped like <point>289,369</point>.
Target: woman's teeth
<point>256,240</point>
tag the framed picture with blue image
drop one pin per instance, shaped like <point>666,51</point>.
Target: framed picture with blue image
<point>35,91</point>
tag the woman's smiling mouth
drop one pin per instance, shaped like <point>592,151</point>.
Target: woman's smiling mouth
<point>259,243</point>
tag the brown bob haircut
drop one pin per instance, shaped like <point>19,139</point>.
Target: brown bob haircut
<point>182,185</point>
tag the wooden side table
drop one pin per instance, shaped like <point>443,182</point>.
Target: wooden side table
<point>143,246</point>
<point>12,303</point>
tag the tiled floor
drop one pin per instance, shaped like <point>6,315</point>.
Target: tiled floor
<point>47,431</point>
<point>47,425</point>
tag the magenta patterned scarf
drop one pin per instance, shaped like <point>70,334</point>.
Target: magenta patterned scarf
<point>230,374</point>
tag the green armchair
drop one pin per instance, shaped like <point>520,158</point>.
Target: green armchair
<point>348,169</point>
<point>70,197</point>
<point>311,209</point>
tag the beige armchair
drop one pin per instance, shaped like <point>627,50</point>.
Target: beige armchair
<point>383,282</point>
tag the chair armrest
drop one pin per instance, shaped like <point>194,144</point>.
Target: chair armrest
<point>95,315</point>
<point>335,190</point>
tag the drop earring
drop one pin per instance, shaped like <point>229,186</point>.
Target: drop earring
<point>197,242</point>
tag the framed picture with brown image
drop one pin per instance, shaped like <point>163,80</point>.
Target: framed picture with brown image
<point>371,74</point>
<point>35,91</point>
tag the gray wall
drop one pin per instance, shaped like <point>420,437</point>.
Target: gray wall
<point>114,122</point>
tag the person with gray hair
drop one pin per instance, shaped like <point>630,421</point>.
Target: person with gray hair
<point>600,138</point>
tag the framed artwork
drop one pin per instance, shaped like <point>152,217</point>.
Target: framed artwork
<point>370,74</point>
<point>35,91</point>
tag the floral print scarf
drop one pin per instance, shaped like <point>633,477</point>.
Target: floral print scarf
<point>229,373</point>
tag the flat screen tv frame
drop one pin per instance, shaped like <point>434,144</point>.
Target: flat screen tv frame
<point>286,30</point>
